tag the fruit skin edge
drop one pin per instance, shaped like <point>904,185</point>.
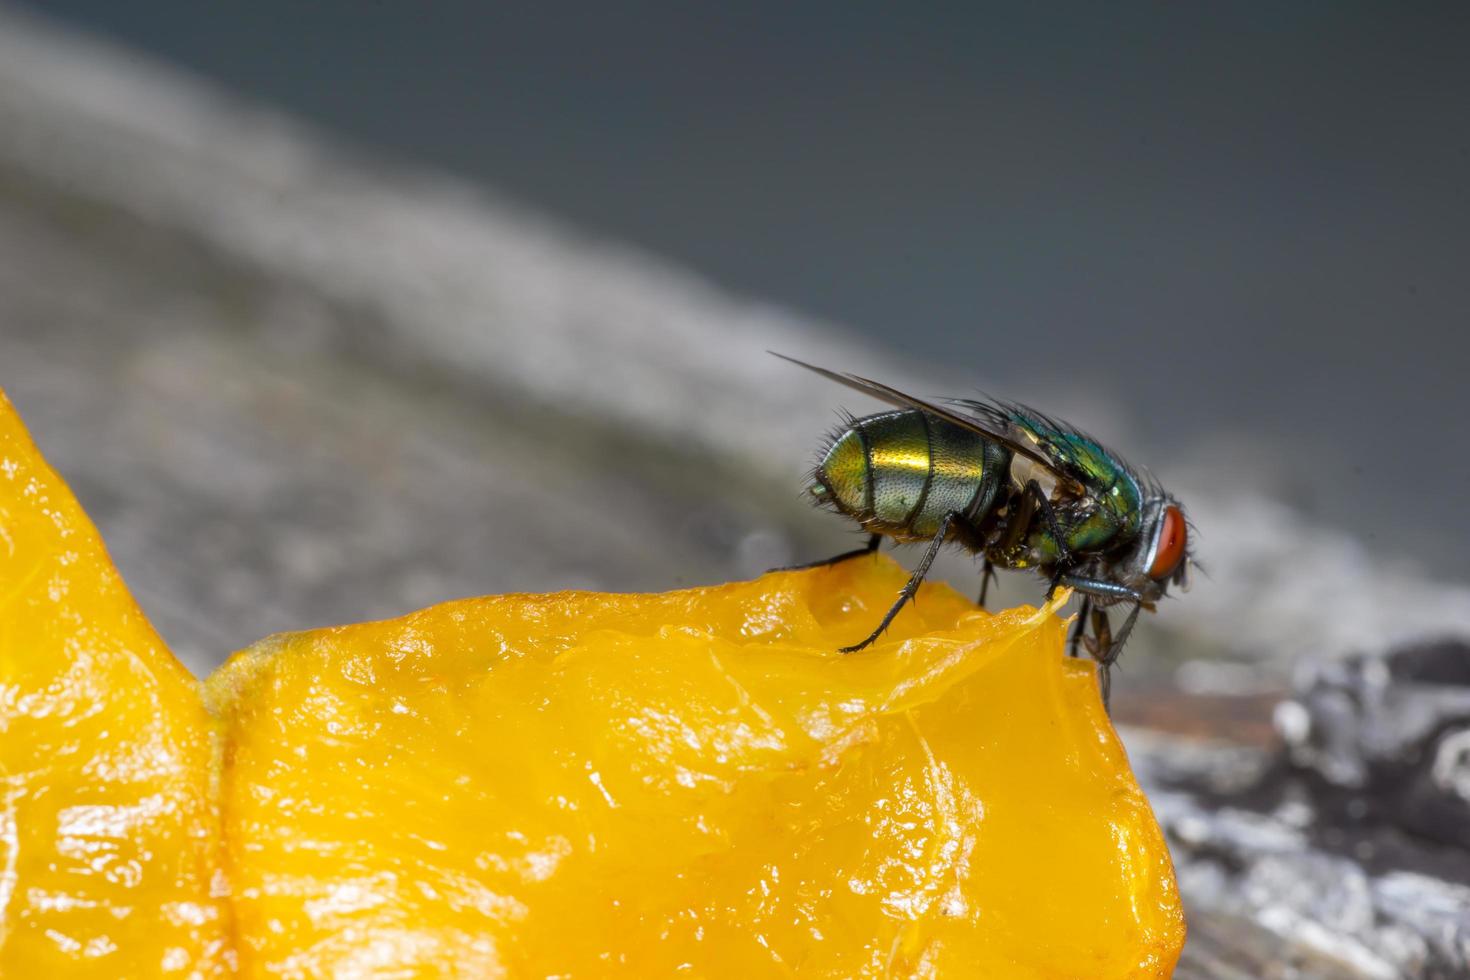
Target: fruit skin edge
<point>898,683</point>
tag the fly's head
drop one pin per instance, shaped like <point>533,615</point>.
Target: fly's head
<point>1160,556</point>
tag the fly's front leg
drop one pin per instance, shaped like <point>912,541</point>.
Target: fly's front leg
<point>1099,589</point>
<point>1103,646</point>
<point>1098,645</point>
<point>913,583</point>
<point>867,549</point>
<point>1110,650</point>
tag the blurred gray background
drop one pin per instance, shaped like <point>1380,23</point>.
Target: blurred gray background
<point>331,311</point>
<point>367,305</point>
<point>1224,220</point>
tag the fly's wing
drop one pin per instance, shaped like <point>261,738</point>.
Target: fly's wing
<point>1065,448</point>
<point>986,423</point>
<point>1109,481</point>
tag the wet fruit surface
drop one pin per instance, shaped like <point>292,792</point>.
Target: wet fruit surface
<point>695,783</point>
<point>108,832</point>
<point>573,785</point>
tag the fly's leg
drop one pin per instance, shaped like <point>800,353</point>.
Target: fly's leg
<point>1099,645</point>
<point>913,583</point>
<point>1111,647</point>
<point>987,575</point>
<point>1032,500</point>
<point>1017,524</point>
<point>1099,589</point>
<point>1081,626</point>
<point>1103,645</point>
<point>867,549</point>
<point>1064,554</point>
<point>1105,648</point>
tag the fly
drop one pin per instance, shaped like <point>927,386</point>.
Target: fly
<point>1014,486</point>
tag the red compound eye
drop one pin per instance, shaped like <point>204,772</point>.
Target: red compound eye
<point>1169,546</point>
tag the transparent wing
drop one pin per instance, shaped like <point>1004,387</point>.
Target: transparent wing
<point>1068,449</point>
<point>988,426</point>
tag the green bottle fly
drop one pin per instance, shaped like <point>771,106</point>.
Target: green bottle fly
<point>1014,486</point>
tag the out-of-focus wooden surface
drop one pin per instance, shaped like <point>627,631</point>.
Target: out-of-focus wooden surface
<point>197,286</point>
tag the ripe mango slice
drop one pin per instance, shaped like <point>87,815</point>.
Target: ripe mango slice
<point>694,783</point>
<point>109,836</point>
<point>574,785</point>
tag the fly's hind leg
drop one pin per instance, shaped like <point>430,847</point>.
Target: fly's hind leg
<point>867,549</point>
<point>1081,626</point>
<point>987,575</point>
<point>913,583</point>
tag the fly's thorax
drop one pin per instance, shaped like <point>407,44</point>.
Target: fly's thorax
<point>899,473</point>
<point>1145,564</point>
<point>1094,529</point>
<point>1086,528</point>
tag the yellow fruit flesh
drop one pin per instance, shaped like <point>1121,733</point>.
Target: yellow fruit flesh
<point>575,785</point>
<point>586,785</point>
<point>108,833</point>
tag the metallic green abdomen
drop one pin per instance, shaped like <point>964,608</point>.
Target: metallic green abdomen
<point>899,473</point>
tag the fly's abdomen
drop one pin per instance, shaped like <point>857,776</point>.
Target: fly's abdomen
<point>968,473</point>
<point>898,451</point>
<point>899,473</point>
